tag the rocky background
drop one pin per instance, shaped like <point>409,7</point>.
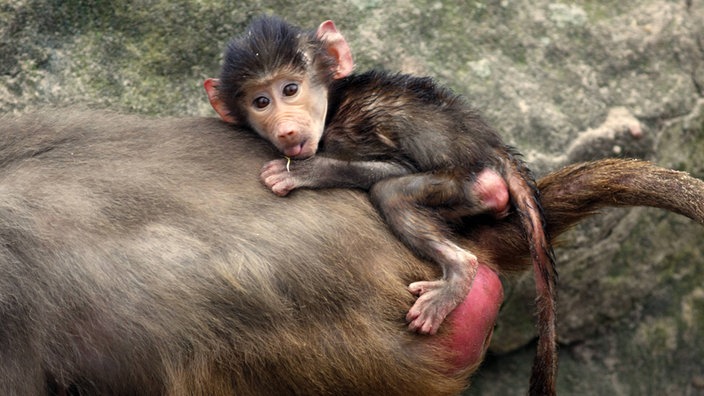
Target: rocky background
<point>565,81</point>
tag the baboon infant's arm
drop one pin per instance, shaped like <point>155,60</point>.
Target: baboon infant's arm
<point>283,175</point>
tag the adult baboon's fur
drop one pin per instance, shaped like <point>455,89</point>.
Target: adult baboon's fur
<point>142,256</point>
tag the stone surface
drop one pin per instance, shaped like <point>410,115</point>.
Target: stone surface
<point>564,81</point>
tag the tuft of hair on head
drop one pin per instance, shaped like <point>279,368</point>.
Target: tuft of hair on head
<point>268,47</point>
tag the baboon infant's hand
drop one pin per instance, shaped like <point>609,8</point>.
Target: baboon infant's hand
<point>276,175</point>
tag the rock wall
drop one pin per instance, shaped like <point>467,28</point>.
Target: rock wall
<point>564,81</point>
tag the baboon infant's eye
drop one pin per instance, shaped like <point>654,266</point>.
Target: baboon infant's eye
<point>290,89</point>
<point>261,102</point>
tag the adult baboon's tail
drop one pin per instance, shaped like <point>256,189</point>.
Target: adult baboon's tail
<point>579,190</point>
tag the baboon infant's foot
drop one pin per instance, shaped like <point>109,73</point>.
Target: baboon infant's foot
<point>436,299</point>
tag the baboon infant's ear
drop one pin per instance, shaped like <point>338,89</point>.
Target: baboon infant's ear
<point>337,48</point>
<point>211,88</point>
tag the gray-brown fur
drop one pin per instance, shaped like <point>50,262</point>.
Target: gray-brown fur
<point>143,256</point>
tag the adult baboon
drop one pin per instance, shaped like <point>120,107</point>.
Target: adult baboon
<point>143,256</point>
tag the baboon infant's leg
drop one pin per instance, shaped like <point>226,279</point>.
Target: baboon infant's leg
<point>408,204</point>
